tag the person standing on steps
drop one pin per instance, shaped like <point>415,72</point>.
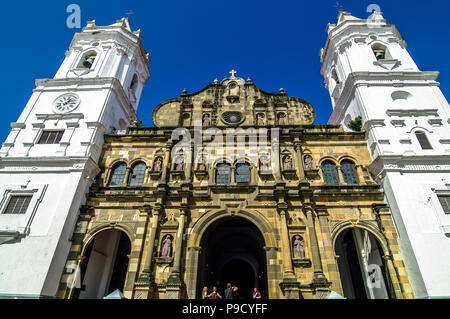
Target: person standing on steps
<point>205,293</point>
<point>256,294</point>
<point>214,294</point>
<point>230,291</point>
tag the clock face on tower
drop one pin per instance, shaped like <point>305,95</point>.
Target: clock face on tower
<point>66,103</point>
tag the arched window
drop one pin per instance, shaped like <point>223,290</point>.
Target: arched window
<point>118,174</point>
<point>137,174</point>
<point>330,174</point>
<point>223,174</point>
<point>87,60</point>
<point>242,173</point>
<point>335,76</point>
<point>423,140</point>
<point>134,84</point>
<point>349,172</point>
<point>381,52</point>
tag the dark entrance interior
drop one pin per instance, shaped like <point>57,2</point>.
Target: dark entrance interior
<point>358,281</point>
<point>105,267</point>
<point>353,284</point>
<point>233,251</point>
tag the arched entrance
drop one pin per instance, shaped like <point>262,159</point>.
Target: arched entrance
<point>105,266</point>
<point>233,252</point>
<point>361,266</point>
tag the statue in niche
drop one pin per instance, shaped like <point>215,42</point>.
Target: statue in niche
<point>206,120</point>
<point>308,162</point>
<point>281,119</point>
<point>264,163</point>
<point>260,119</point>
<point>287,163</point>
<point>233,89</point>
<point>299,251</point>
<point>179,163</point>
<point>157,165</point>
<point>166,247</point>
<point>202,164</point>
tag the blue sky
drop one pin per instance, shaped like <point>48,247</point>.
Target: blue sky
<point>275,43</point>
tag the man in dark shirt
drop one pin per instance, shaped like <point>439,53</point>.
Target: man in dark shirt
<point>256,294</point>
<point>230,291</point>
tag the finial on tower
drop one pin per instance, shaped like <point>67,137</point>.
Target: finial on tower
<point>232,72</point>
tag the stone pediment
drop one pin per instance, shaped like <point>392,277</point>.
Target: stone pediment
<point>388,64</point>
<point>233,94</point>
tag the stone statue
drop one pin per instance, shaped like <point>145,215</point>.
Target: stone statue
<point>179,164</point>
<point>287,163</point>
<point>157,165</point>
<point>299,251</point>
<point>281,120</point>
<point>308,162</point>
<point>233,89</point>
<point>202,164</point>
<point>166,247</point>
<point>206,120</point>
<point>264,163</point>
<point>260,119</point>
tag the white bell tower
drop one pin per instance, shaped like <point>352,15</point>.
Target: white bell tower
<point>406,118</point>
<point>49,159</point>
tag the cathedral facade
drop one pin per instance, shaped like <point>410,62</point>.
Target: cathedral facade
<point>234,184</point>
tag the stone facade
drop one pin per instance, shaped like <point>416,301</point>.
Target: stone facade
<point>286,196</point>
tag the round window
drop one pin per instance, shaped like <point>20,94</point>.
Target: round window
<point>232,117</point>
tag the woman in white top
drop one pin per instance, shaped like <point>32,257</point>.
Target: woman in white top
<point>205,293</point>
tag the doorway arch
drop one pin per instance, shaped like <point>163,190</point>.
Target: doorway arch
<point>232,251</point>
<point>362,268</point>
<point>105,265</point>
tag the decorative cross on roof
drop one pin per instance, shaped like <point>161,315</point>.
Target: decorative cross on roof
<point>233,72</point>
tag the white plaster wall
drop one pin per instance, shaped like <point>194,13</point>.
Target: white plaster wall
<point>24,265</point>
<point>418,209</point>
<point>34,265</point>
<point>408,173</point>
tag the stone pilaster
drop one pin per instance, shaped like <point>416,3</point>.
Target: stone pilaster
<point>174,287</point>
<point>298,139</point>
<point>289,285</point>
<point>319,281</point>
<point>166,165</point>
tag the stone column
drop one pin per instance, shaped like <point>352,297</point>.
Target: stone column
<point>151,242</point>
<point>319,283</point>
<point>174,283</point>
<point>126,177</point>
<point>144,281</point>
<point>287,258</point>
<point>189,163</point>
<point>289,285</point>
<point>301,168</point>
<point>233,174</point>
<point>340,175</point>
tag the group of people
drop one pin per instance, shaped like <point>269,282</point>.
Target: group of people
<point>229,293</point>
